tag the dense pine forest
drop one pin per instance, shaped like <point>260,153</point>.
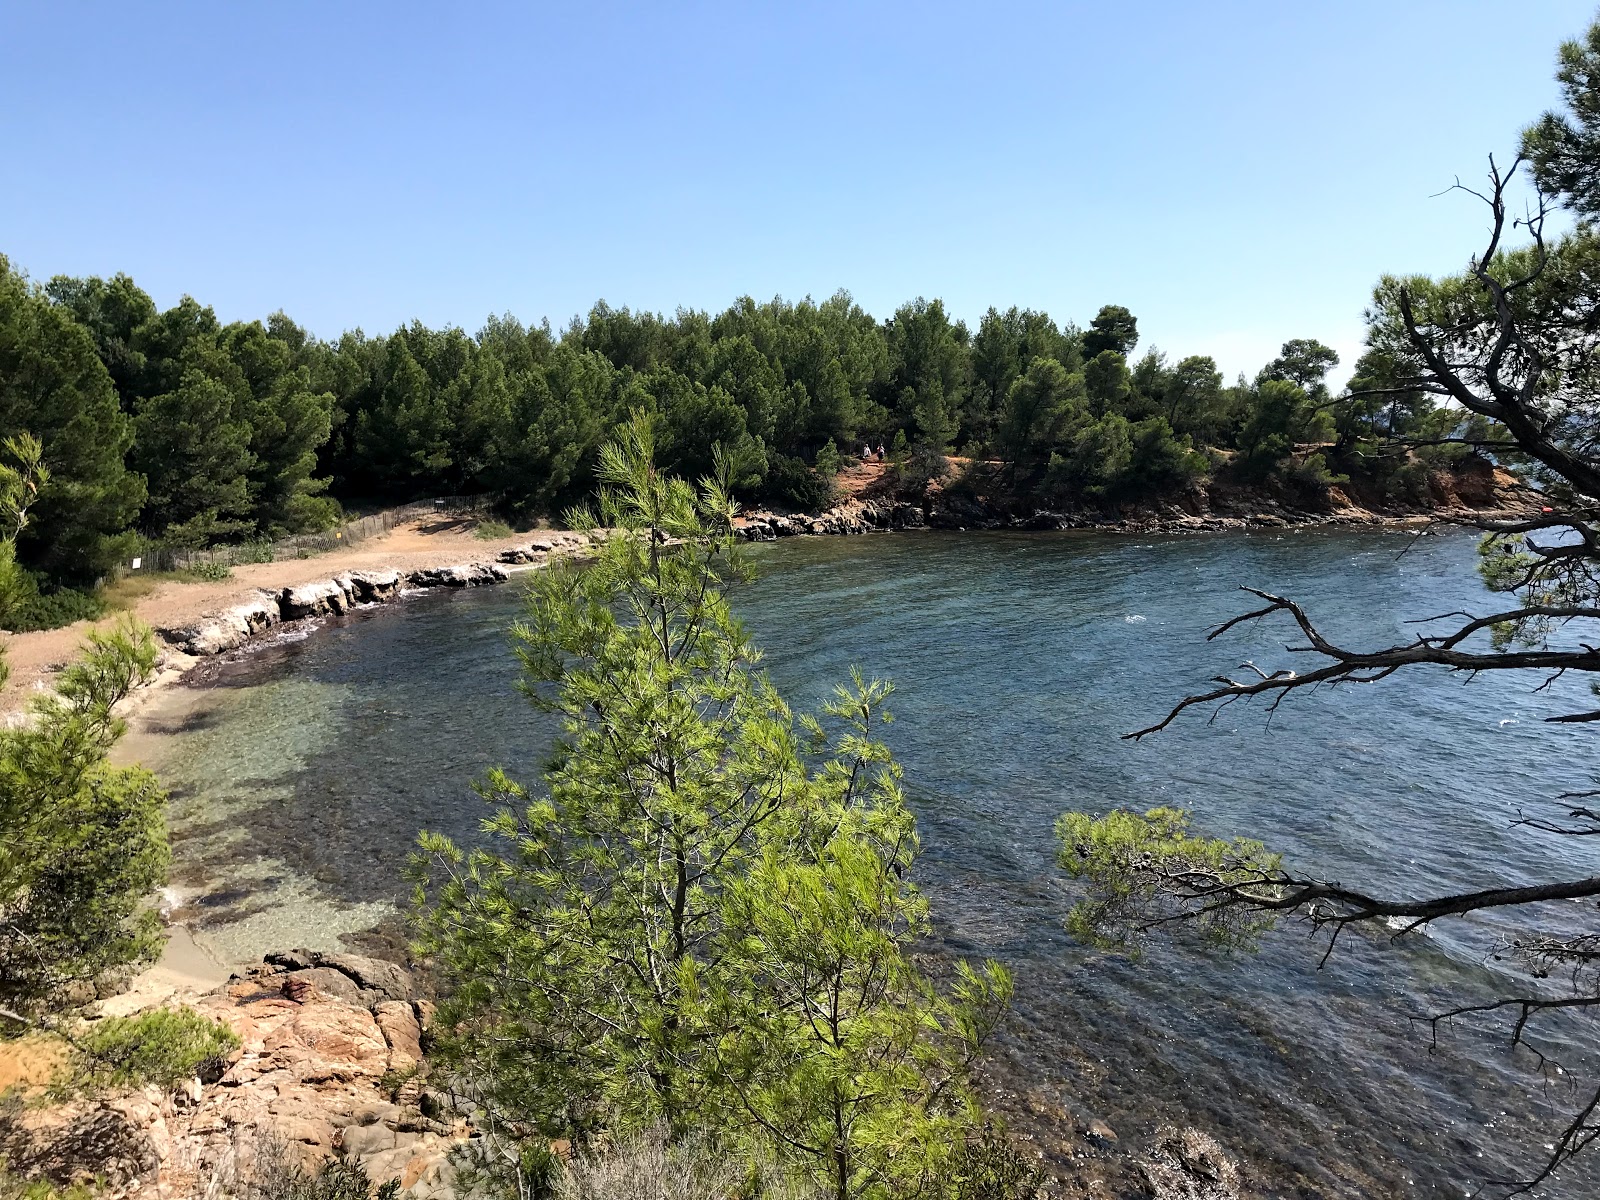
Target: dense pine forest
<point>172,427</point>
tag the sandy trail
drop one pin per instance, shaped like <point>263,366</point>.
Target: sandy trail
<point>427,542</point>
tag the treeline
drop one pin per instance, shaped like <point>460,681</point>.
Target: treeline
<point>172,426</point>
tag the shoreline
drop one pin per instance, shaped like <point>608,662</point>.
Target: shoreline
<point>222,617</point>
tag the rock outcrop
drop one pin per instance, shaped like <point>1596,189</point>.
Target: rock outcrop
<point>373,587</point>
<point>539,548</point>
<point>314,600</point>
<point>324,1038</point>
<point>230,629</point>
<point>458,576</point>
<point>852,517</point>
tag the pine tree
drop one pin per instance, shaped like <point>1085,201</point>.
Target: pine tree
<point>53,385</point>
<point>85,842</point>
<point>636,945</point>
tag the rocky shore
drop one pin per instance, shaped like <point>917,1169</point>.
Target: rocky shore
<point>331,1063</point>
<point>330,1046</point>
<point>858,516</point>
<point>268,611</point>
<point>340,594</point>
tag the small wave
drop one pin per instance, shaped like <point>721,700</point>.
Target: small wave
<point>1509,721</point>
<point>1399,923</point>
<point>1133,619</point>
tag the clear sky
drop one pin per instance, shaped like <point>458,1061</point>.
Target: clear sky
<point>1235,173</point>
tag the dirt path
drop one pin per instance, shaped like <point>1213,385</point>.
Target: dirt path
<point>427,542</point>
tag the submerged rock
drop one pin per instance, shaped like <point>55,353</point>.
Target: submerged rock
<point>1185,1164</point>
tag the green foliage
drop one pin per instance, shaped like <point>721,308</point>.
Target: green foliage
<point>1096,462</point>
<point>791,482</point>
<point>31,607</point>
<point>53,385</point>
<point>196,457</point>
<point>1140,869</point>
<point>1004,347</point>
<point>1304,362</point>
<point>918,467</point>
<point>211,571</point>
<point>404,438</point>
<point>14,1188</point>
<point>1042,405</point>
<point>1311,477</point>
<point>829,460</point>
<point>1564,147</point>
<point>1160,461</point>
<point>163,1047</point>
<point>1281,415</point>
<point>86,841</point>
<point>335,1179</point>
<point>990,1166</point>
<point>249,430</point>
<point>489,530</point>
<point>1108,384</point>
<point>1114,329</point>
<point>641,941</point>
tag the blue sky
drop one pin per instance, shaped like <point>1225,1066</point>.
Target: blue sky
<point>1235,173</point>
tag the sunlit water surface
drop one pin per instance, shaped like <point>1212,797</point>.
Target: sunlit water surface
<point>304,767</point>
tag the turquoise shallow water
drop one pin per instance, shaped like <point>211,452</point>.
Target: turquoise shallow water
<point>304,768</point>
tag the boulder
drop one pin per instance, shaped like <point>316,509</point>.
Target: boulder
<point>228,629</point>
<point>374,587</point>
<point>215,636</point>
<point>517,555</point>
<point>460,575</point>
<point>1185,1164</point>
<point>318,1043</point>
<point>313,600</point>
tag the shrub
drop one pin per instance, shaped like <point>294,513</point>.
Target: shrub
<point>164,1046</point>
<point>990,1166</point>
<point>829,461</point>
<point>338,1179</point>
<point>791,482</point>
<point>15,1188</point>
<point>1310,479</point>
<point>32,608</point>
<point>211,571</point>
<point>255,552</point>
<point>490,530</point>
<point>645,1165</point>
<point>276,1178</point>
<point>925,464</point>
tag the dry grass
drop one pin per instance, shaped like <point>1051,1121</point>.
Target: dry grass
<point>644,1167</point>
<point>122,594</point>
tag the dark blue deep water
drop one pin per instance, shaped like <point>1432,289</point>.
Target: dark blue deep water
<point>303,769</point>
